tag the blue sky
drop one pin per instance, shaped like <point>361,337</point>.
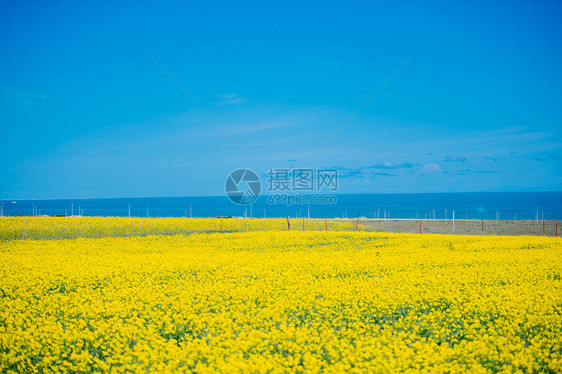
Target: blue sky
<point>86,112</point>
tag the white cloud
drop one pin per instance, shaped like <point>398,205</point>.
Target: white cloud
<point>432,167</point>
<point>27,97</point>
<point>230,99</point>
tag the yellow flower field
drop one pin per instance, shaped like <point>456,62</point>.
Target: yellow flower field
<point>281,301</point>
<point>97,227</point>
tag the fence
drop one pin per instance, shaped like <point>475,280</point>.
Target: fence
<point>18,228</point>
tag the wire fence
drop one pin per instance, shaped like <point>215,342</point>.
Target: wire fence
<point>347,207</point>
<point>38,228</point>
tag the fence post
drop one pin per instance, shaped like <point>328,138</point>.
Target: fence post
<point>482,219</point>
<point>25,229</point>
<point>556,232</point>
<point>453,221</point>
<point>221,223</point>
<point>356,224</point>
<point>140,228</point>
<point>420,226</point>
<point>326,224</point>
<point>302,223</point>
<point>288,222</point>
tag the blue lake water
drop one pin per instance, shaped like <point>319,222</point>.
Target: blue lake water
<point>473,205</point>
